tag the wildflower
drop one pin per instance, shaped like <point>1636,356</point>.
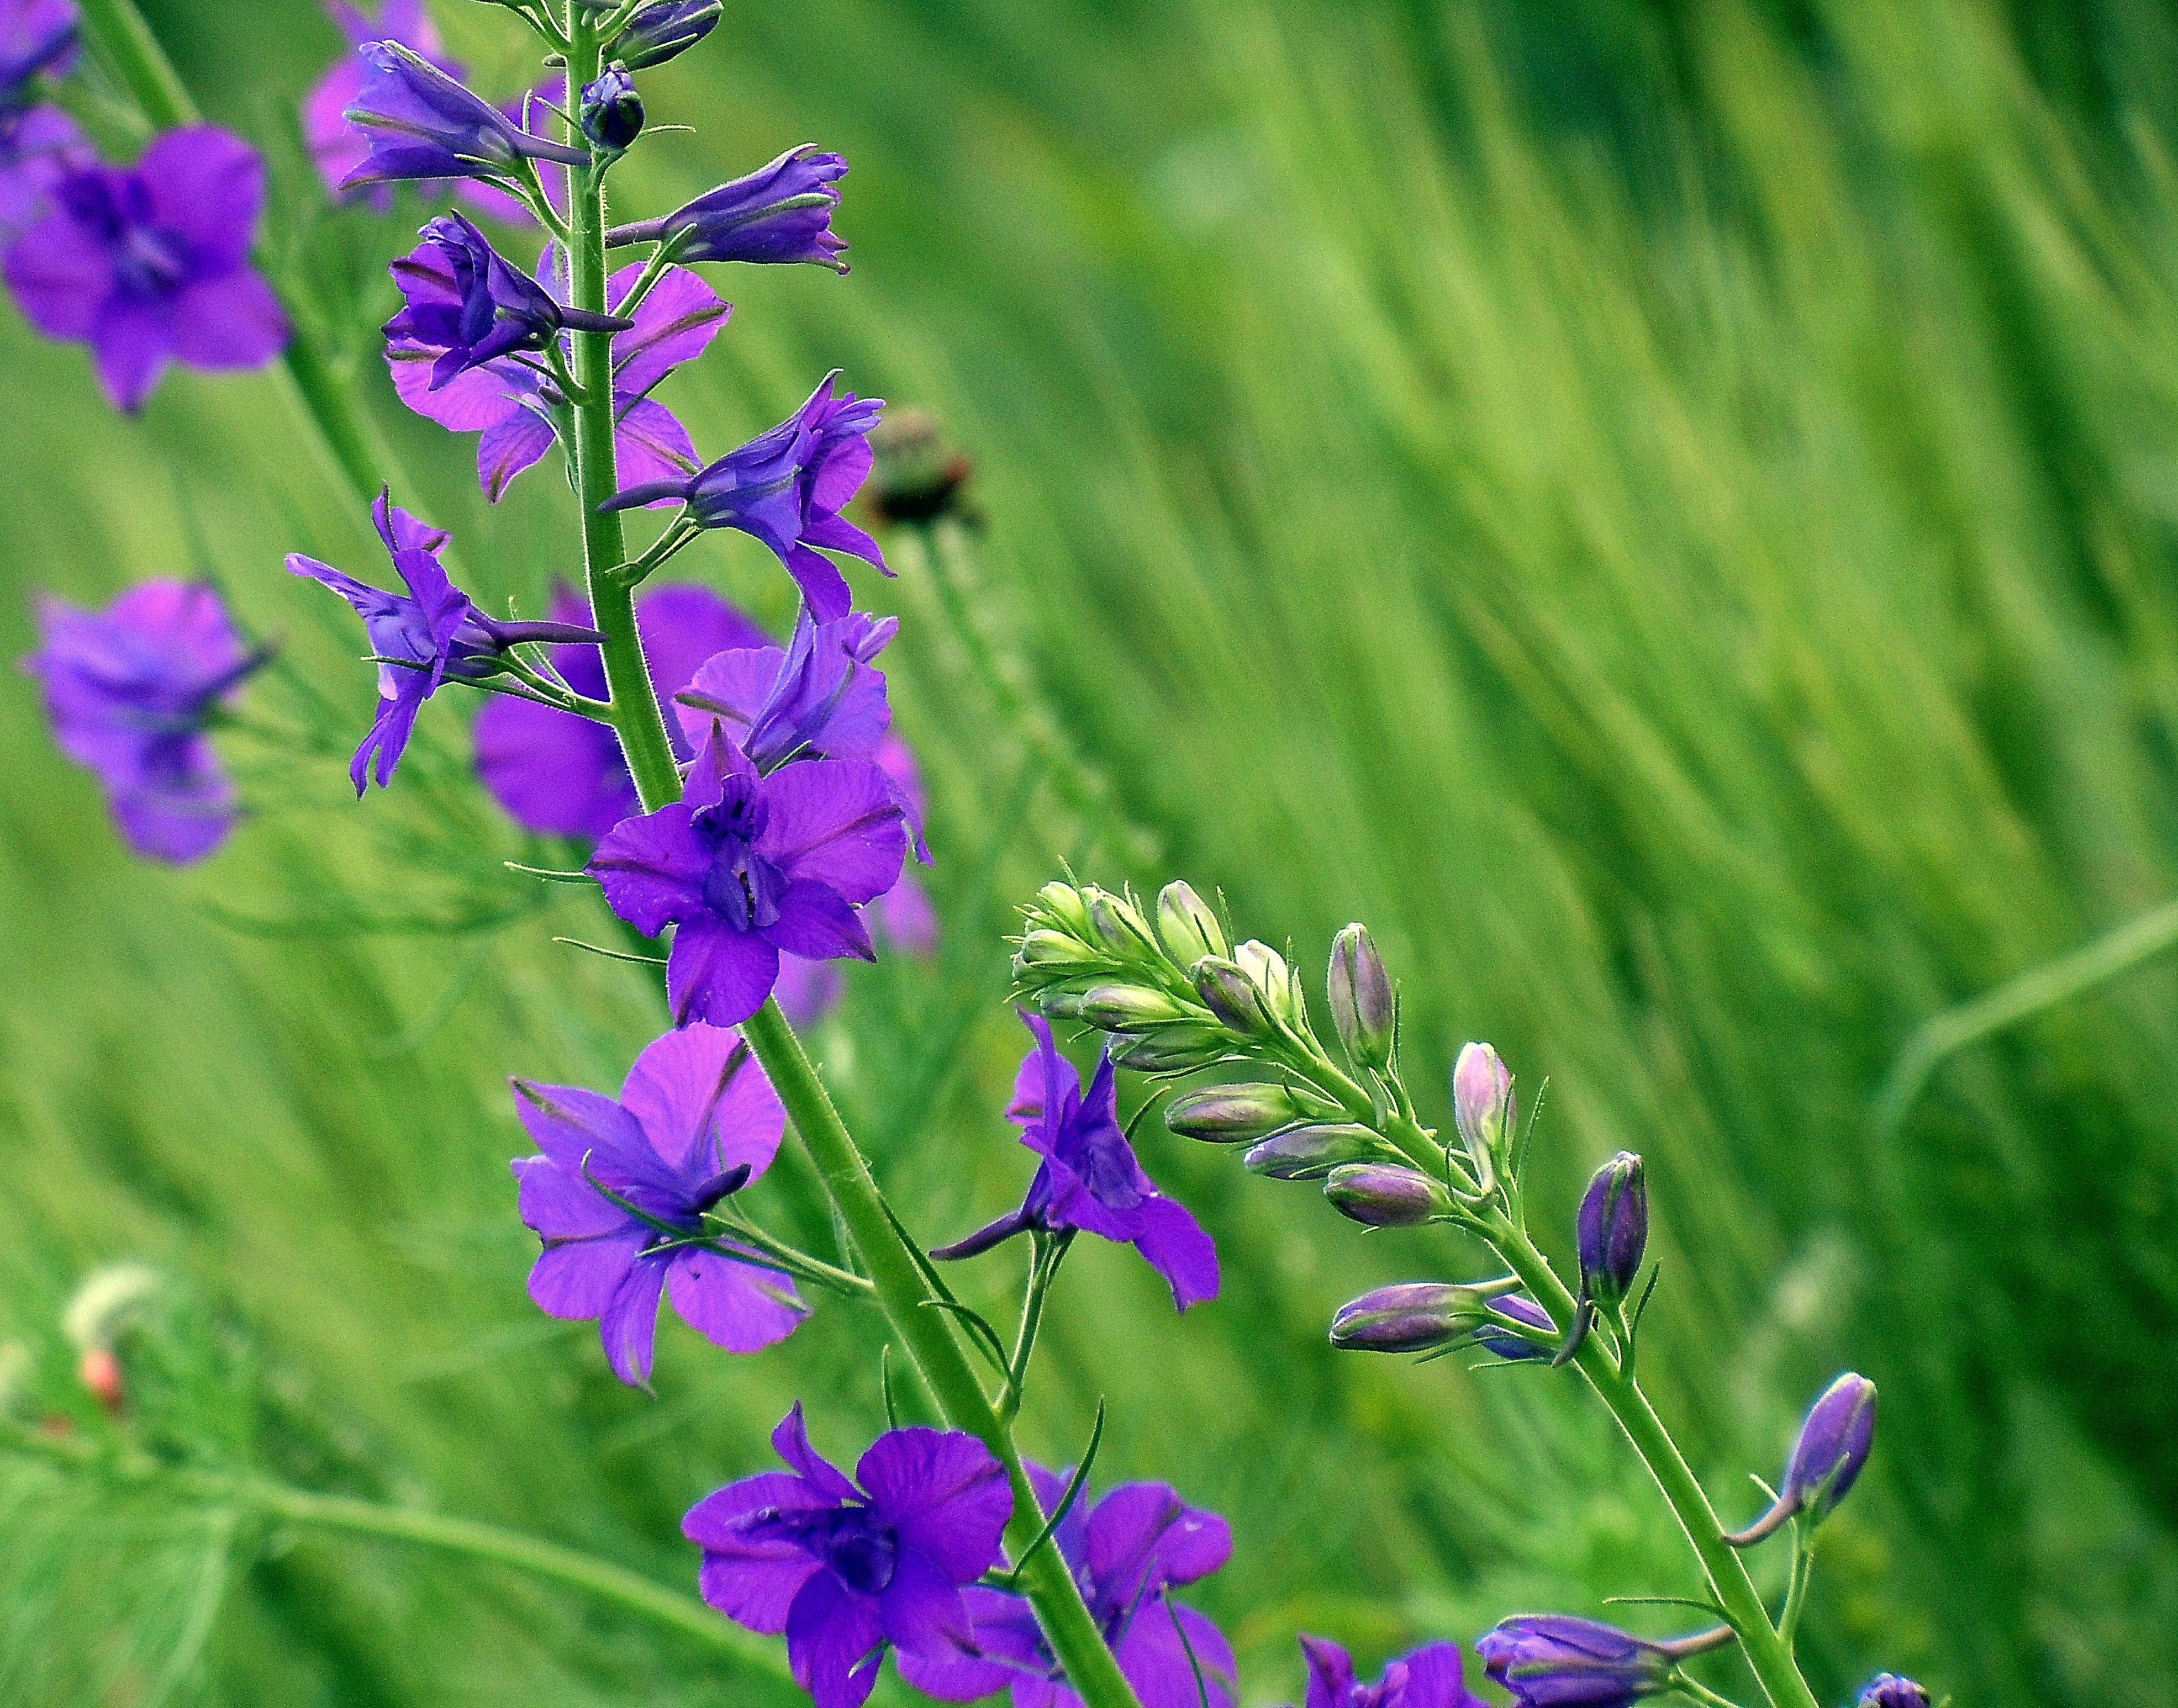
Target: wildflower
<point>560,774</point>
<point>1359,992</point>
<point>1483,1108</point>
<point>1833,1444</point>
<point>821,697</point>
<point>1512,1347</point>
<point>1410,1316</point>
<point>620,1188</point>
<point>611,112</point>
<point>468,304</point>
<point>1889,1690</point>
<point>1090,1179</point>
<point>665,31</point>
<point>131,690</point>
<point>512,405</point>
<point>149,262</point>
<point>37,39</point>
<point>749,866</point>
<point>419,122</point>
<point>1432,1676</point>
<point>1311,1152</point>
<point>781,212</point>
<point>1139,1542</point>
<point>845,1570</point>
<point>786,487</point>
<point>39,146</point>
<point>1612,1229</point>
<point>1552,1660</point>
<point>423,639</point>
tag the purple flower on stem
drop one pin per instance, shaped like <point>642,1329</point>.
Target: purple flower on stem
<point>560,774</point>
<point>749,867</point>
<point>621,1189</point>
<point>1554,1661</point>
<point>781,212</point>
<point>1430,1676</point>
<point>419,122</point>
<point>39,146</point>
<point>149,262</point>
<point>130,690</point>
<point>37,39</point>
<point>1140,1540</point>
<point>844,1570</point>
<point>468,304</point>
<point>1833,1446</point>
<point>512,404</point>
<point>1889,1690</point>
<point>421,639</point>
<point>820,697</point>
<point>786,487</point>
<point>1090,1179</point>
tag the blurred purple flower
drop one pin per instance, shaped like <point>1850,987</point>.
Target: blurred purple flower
<point>39,146</point>
<point>1139,1542</point>
<point>1554,1661</point>
<point>559,774</point>
<point>37,39</point>
<point>749,867</point>
<point>696,1122</point>
<point>434,630</point>
<point>781,212</point>
<point>464,301</point>
<point>1892,1690</point>
<point>1430,1676</point>
<point>511,404</point>
<point>786,487</point>
<point>149,262</point>
<point>844,1570</point>
<point>1090,1178</point>
<point>130,690</point>
<point>420,124</point>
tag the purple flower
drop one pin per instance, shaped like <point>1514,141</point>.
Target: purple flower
<point>1430,1676</point>
<point>621,1185</point>
<point>419,122</point>
<point>1553,1661</point>
<point>1833,1446</point>
<point>665,31</point>
<point>434,632</point>
<point>152,261</point>
<point>1089,1179</point>
<point>130,690</point>
<point>781,212</point>
<point>844,1570</point>
<point>821,695</point>
<point>1139,1542</point>
<point>1612,1229</point>
<point>37,39</point>
<point>786,487</point>
<point>559,774</point>
<point>38,147</point>
<point>511,404</point>
<point>466,302</point>
<point>1889,1690</point>
<point>749,867</point>
<point>1503,1342</point>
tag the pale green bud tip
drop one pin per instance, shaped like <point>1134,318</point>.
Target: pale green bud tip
<point>1190,929</point>
<point>1229,994</point>
<point>1115,922</point>
<point>1128,1008</point>
<point>1061,906</point>
<point>1361,995</point>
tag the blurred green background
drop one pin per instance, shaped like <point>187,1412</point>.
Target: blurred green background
<point>1667,512</point>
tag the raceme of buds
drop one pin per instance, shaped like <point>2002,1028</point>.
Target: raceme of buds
<point>1889,1690</point>
<point>1232,1113</point>
<point>611,112</point>
<point>1833,1445</point>
<point>1613,1230</point>
<point>665,31</point>
<point>1410,1316</point>
<point>1190,929</point>
<point>1385,1195</point>
<point>1485,1108</point>
<point>1361,994</point>
<point>1309,1153</point>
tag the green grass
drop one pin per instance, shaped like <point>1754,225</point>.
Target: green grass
<point>1672,522</point>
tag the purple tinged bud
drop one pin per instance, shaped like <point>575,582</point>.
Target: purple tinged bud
<point>1190,929</point>
<point>1266,970</point>
<point>1613,1230</point>
<point>1360,993</point>
<point>1230,995</point>
<point>664,31</point>
<point>1492,1337</point>
<point>1180,1048</point>
<point>1833,1445</point>
<point>611,112</point>
<point>1485,1108</point>
<point>1309,1153</point>
<point>1128,1008</point>
<point>1553,1661</point>
<point>1042,947</point>
<point>782,213</point>
<point>1385,1195</point>
<point>1889,1690</point>
<point>1232,1114</point>
<point>1409,1317</point>
<point>1118,924</point>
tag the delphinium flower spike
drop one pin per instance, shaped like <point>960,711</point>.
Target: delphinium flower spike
<point>1127,1553</point>
<point>150,263</point>
<point>1826,1458</point>
<point>846,1569</point>
<point>621,1189</point>
<point>131,690</point>
<point>420,124</point>
<point>1090,1179</point>
<point>1433,1676</point>
<point>431,634</point>
<point>781,212</point>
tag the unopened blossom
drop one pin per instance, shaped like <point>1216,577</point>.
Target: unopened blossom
<point>1090,1180</point>
<point>511,404</point>
<point>465,302</point>
<point>39,146</point>
<point>847,1569</point>
<point>418,122</point>
<point>781,212</point>
<point>1138,1543</point>
<point>1554,1661</point>
<point>1612,1229</point>
<point>619,1186</point>
<point>1432,1676</point>
<point>663,30</point>
<point>1826,1458</point>
<point>422,638</point>
<point>749,867</point>
<point>1889,1690</point>
<point>150,263</point>
<point>1494,1337</point>
<point>1410,1316</point>
<point>37,39</point>
<point>131,690</point>
<point>559,773</point>
<point>786,487</point>
<point>1483,1108</point>
<point>611,112</point>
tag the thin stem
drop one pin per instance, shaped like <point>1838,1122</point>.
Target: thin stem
<point>1043,1269</point>
<point>1803,1572</point>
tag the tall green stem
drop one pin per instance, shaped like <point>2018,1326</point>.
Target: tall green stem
<point>635,716</point>
<point>1767,1653</point>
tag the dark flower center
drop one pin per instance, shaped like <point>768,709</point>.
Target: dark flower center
<point>859,1551</point>
<point>742,887</point>
<point>148,262</point>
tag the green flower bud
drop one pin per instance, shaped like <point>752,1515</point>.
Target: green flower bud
<point>1115,922</point>
<point>1232,1113</point>
<point>1361,994</point>
<point>1128,1008</point>
<point>1309,1153</point>
<point>1061,906</point>
<point>1180,1048</point>
<point>1044,948</point>
<point>1266,970</point>
<point>1230,995</point>
<point>1190,929</point>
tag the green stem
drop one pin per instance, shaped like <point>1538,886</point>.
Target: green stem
<point>1767,1653</point>
<point>931,1343</point>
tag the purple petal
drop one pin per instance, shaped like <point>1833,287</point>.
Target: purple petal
<point>581,1279</point>
<point>921,1610</point>
<point>683,626</point>
<point>837,534</point>
<point>1005,1631</point>
<point>943,1492</point>
<point>131,343</point>
<point>208,187</point>
<point>716,974</point>
<point>729,688</point>
<point>630,1322</point>
<point>652,446</point>
<point>61,275</point>
<point>1046,1080</point>
<point>652,869</point>
<point>570,1124</point>
<point>806,990</point>
<point>1156,1663</point>
<point>705,1104</point>
<point>1435,1678</point>
<point>816,924</point>
<point>552,772</point>
<point>387,739</point>
<point>832,1638</point>
<point>822,585</point>
<point>1330,1674</point>
<point>834,822</point>
<point>753,1583</point>
<point>174,828</point>
<point>557,1204</point>
<point>470,402</point>
<point>1143,1536</point>
<point>790,1442</point>
<point>230,321</point>
<point>1174,1244</point>
<point>673,325</point>
<point>517,441</point>
<point>736,1306</point>
<point>910,922</point>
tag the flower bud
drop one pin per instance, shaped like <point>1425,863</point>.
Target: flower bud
<point>1552,1658</point>
<point>1833,1444</point>
<point>916,476</point>
<point>1190,929</point>
<point>1061,906</point>
<point>611,112</point>
<point>1410,1316</point>
<point>1232,1114</point>
<point>1485,1108</point>
<point>1128,1008</point>
<point>1180,1048</point>
<point>1888,1691</point>
<point>1613,1230</point>
<point>1229,993</point>
<point>1265,969</point>
<point>665,31</point>
<point>1385,1195</point>
<point>1118,925</point>
<point>1044,948</point>
<point>1491,1337</point>
<point>1309,1153</point>
<point>1360,993</point>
